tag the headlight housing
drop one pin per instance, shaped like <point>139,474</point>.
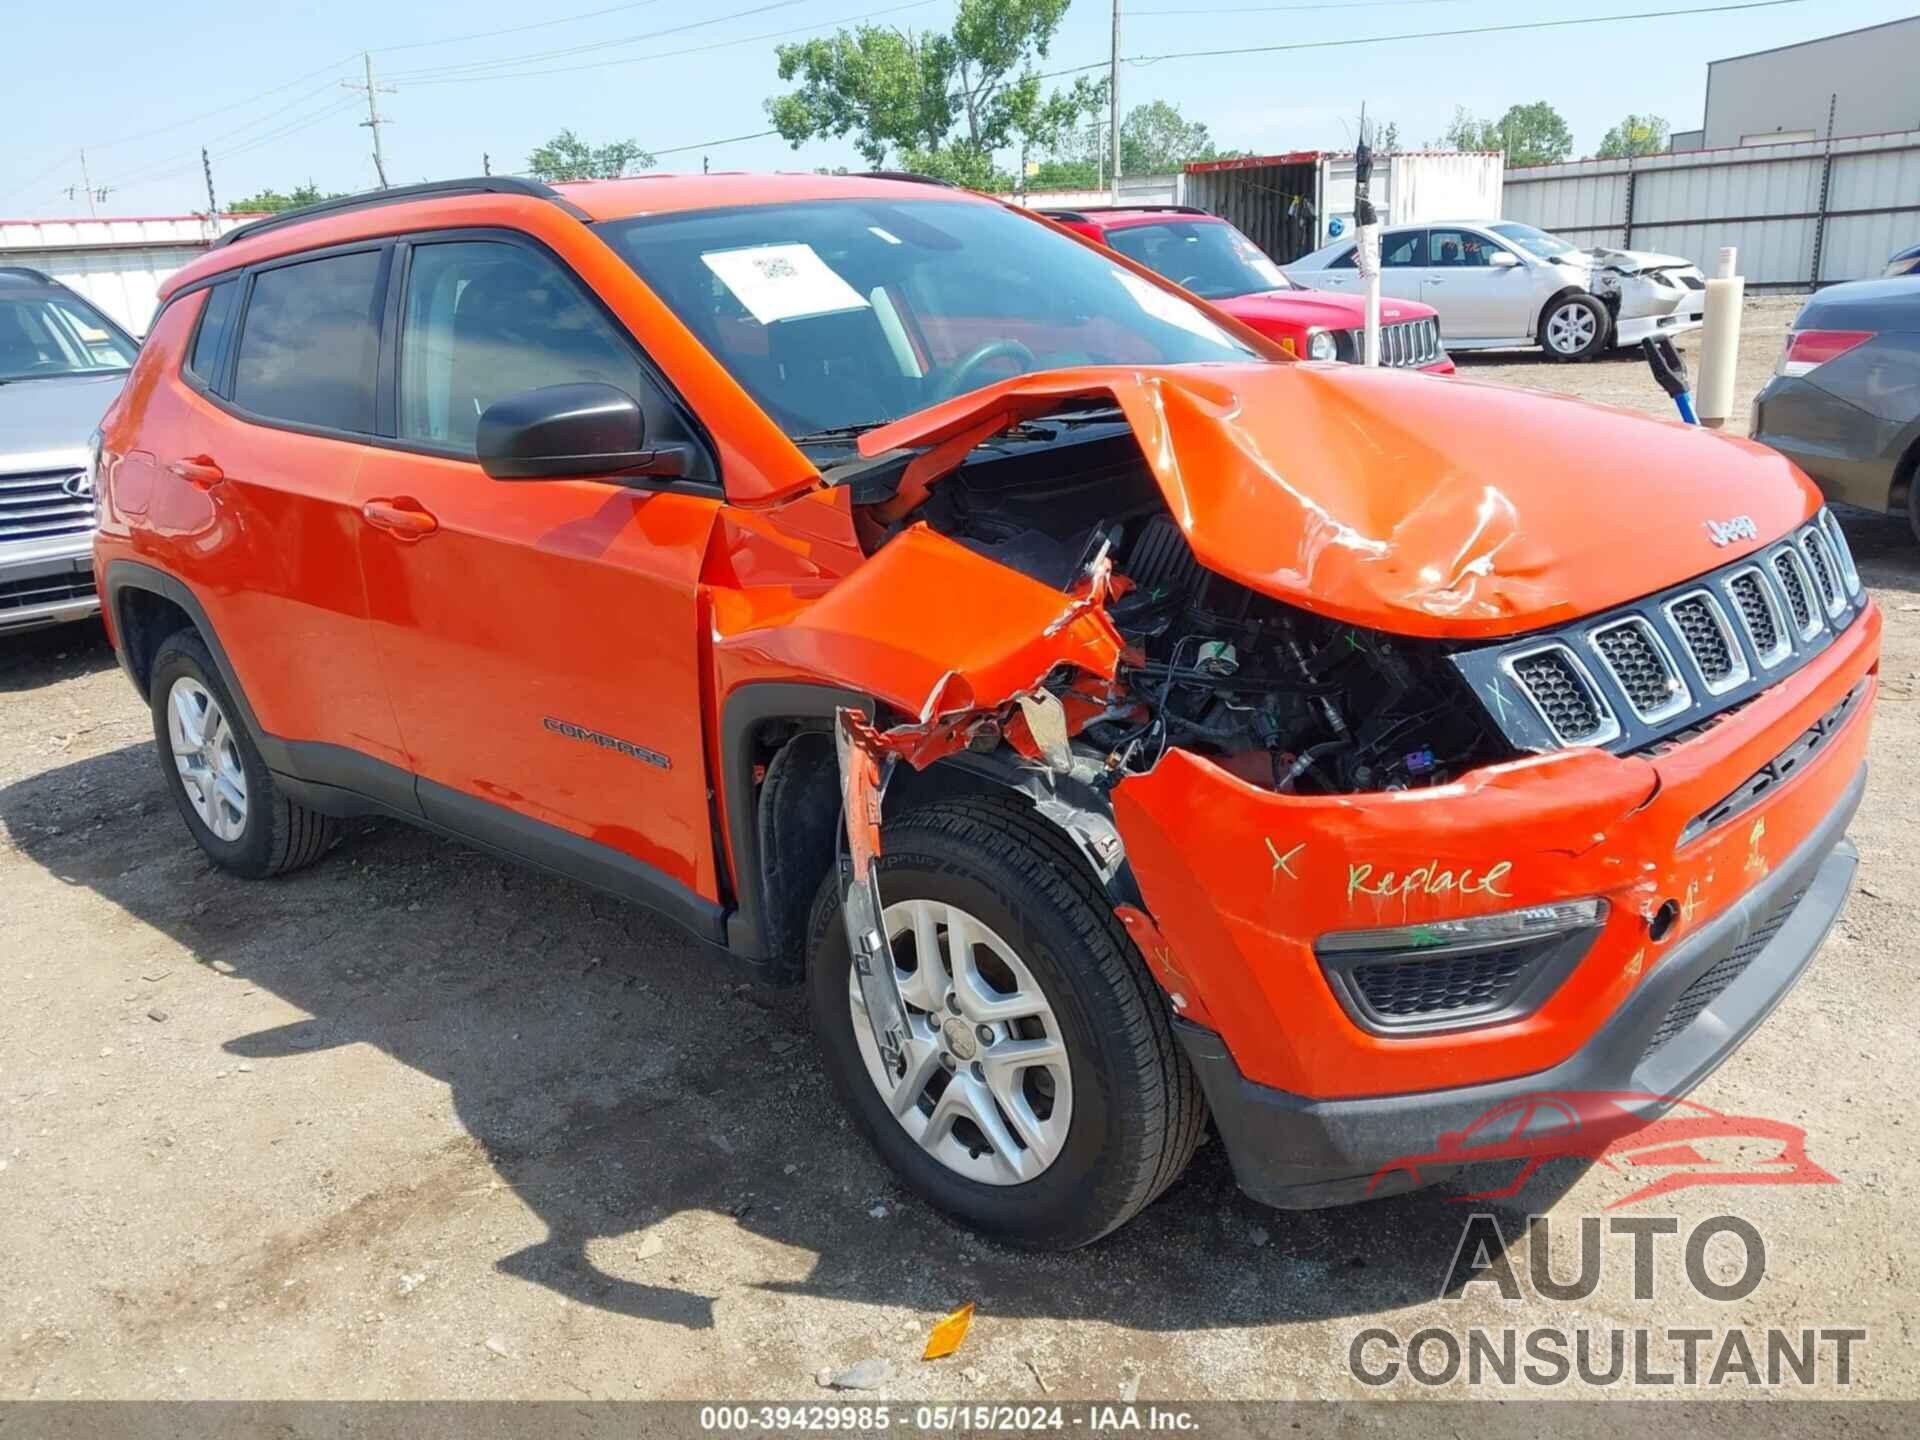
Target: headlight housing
<point>1321,345</point>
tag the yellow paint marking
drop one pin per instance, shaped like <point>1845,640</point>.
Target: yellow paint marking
<point>1638,961</point>
<point>1755,860</point>
<point>1429,879</point>
<point>1283,862</point>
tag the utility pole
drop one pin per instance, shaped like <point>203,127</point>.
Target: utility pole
<point>374,119</point>
<point>213,208</point>
<point>1113,99</point>
<point>87,184</point>
<point>486,163</point>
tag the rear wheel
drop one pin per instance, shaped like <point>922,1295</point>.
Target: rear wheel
<point>1045,1100</point>
<point>1575,327</point>
<point>218,780</point>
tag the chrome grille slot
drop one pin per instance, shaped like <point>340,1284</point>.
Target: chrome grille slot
<point>1708,640</point>
<point>1824,568</point>
<point>1404,344</point>
<point>1563,692</point>
<point>1642,667</point>
<point>1789,570</point>
<point>38,506</point>
<point>1837,541</point>
<point>1760,616</point>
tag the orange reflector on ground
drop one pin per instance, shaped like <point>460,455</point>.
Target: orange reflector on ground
<point>947,1335</point>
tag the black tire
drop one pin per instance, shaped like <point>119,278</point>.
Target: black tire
<point>1138,1113</point>
<point>1602,329</point>
<point>279,835</point>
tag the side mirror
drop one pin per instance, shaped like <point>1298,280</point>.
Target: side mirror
<point>1503,260</point>
<point>560,432</point>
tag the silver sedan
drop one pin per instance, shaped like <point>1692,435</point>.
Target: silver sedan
<point>1498,283</point>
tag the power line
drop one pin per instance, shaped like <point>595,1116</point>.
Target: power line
<point>1322,5</point>
<point>514,29</point>
<point>1447,34</point>
<point>561,54</point>
<point>221,110</point>
<point>688,50</point>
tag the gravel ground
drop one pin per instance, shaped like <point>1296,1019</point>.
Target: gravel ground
<point>415,1123</point>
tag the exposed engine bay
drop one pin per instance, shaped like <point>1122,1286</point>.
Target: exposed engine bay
<point>1275,695</point>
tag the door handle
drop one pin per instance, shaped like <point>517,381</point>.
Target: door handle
<point>198,471</point>
<point>401,516</point>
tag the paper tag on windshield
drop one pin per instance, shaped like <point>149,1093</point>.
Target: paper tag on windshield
<point>783,282</point>
<point>1170,308</point>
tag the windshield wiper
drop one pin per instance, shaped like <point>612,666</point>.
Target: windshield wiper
<point>838,434</point>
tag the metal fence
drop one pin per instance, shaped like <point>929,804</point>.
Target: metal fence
<point>1806,214</point>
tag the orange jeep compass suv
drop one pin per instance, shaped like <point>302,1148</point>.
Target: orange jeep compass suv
<point>1109,720</point>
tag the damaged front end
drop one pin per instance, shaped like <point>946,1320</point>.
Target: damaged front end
<point>1288,710</point>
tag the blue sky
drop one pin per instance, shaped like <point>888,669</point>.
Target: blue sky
<point>142,86</point>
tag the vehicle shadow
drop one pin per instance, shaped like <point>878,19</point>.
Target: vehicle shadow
<point>612,1074</point>
<point>34,658</point>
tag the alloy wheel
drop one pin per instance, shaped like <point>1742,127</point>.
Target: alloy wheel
<point>208,758</point>
<point>987,1090</point>
<point>1571,329</point>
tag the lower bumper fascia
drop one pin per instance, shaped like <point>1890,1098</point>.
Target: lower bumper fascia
<point>1299,1153</point>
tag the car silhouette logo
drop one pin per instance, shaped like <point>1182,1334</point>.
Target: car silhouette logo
<point>1627,1132</point>
<point>77,486</point>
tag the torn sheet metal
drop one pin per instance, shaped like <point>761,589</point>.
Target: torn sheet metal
<point>1396,501</point>
<point>864,769</point>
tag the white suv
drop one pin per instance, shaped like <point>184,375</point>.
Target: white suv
<point>61,364</point>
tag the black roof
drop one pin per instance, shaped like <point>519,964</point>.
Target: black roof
<point>476,185</point>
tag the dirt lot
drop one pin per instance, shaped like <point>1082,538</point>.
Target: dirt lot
<point>416,1123</point>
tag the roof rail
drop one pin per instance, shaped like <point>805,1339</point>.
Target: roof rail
<point>909,175</point>
<point>26,272</point>
<point>1085,210</point>
<point>1066,215</point>
<point>478,185</point>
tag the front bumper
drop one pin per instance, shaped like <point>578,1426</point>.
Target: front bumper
<point>1300,1153</point>
<point>1631,330</point>
<point>42,588</point>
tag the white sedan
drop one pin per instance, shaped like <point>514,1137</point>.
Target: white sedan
<point>1498,283</point>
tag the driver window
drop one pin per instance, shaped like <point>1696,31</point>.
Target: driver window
<point>1462,249</point>
<point>485,320</point>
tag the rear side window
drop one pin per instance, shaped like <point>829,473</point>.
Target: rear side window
<point>210,341</point>
<point>310,343</point>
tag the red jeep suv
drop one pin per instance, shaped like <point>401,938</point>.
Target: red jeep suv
<point>1205,255</point>
<point>1108,719</point>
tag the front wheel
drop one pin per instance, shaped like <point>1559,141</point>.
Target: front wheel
<point>1045,1100</point>
<point>1576,327</point>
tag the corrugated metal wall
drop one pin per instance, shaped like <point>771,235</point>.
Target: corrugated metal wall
<point>117,264</point>
<point>1853,201</point>
<point>1265,203</point>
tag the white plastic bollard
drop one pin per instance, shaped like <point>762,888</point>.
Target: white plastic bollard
<point>1720,343</point>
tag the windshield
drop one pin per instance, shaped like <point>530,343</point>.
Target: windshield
<point>1535,242</point>
<point>46,334</point>
<point>1210,258</point>
<point>838,314</point>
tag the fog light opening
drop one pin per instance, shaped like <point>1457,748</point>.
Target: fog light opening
<point>1660,926</point>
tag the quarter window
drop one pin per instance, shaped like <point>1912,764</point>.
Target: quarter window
<point>310,343</point>
<point>216,318</point>
<point>485,320</point>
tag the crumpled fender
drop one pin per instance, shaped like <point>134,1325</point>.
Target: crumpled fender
<point>1401,502</point>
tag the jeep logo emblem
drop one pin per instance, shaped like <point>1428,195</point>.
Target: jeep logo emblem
<point>1725,532</point>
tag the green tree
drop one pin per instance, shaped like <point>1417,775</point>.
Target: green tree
<point>567,157</point>
<point>1530,134</point>
<point>1635,135</point>
<point>1156,138</point>
<point>274,201</point>
<point>940,103</point>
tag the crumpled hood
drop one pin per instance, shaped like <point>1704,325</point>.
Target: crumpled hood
<point>1406,503</point>
<point>1633,262</point>
<point>46,422</point>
